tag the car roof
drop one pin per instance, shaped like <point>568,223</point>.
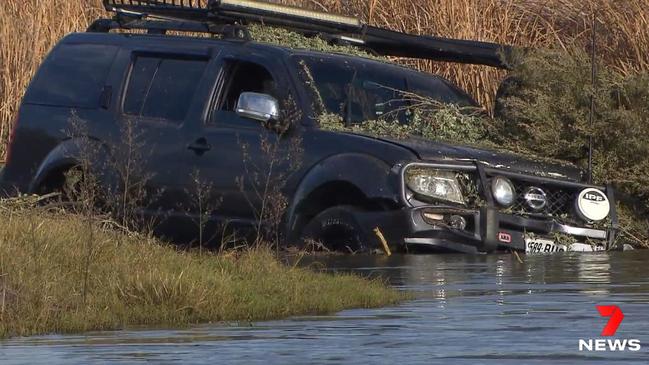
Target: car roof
<point>188,43</point>
<point>182,42</point>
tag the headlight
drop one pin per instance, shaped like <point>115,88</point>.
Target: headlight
<point>503,191</point>
<point>434,183</point>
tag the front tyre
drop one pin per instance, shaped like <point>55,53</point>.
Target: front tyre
<point>336,229</point>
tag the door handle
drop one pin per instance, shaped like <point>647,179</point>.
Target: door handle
<point>199,146</point>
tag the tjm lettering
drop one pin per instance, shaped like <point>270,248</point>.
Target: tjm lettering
<point>609,345</point>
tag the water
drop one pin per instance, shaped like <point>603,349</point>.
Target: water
<point>469,310</point>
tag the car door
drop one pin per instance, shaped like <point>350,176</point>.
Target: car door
<point>246,161</point>
<point>163,92</point>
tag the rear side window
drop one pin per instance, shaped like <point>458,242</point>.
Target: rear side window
<point>162,88</point>
<point>72,76</point>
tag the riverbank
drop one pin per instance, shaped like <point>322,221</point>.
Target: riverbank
<point>63,273</point>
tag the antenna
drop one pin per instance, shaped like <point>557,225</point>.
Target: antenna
<point>593,74</point>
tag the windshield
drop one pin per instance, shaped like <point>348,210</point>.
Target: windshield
<point>361,90</point>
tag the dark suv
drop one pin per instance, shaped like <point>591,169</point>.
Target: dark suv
<point>212,105</point>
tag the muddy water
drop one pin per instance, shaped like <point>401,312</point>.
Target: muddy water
<point>469,310</point>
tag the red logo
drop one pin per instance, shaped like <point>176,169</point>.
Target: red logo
<point>616,317</point>
<point>505,237</point>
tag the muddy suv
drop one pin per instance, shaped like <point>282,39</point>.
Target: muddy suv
<point>212,105</point>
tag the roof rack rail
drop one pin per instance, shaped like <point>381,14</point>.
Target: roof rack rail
<point>181,9</point>
<point>227,17</point>
<point>128,21</point>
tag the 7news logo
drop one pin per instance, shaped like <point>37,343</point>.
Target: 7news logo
<point>615,318</point>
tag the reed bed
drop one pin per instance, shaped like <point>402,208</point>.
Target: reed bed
<point>29,28</point>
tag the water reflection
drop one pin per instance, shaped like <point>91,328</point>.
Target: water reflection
<point>469,309</point>
<point>595,274</point>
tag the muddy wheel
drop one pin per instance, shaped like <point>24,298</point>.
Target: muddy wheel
<point>335,229</point>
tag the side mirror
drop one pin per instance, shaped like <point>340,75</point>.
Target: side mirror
<point>256,106</point>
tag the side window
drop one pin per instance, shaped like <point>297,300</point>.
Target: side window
<point>358,91</point>
<point>245,77</point>
<point>73,75</point>
<point>162,88</point>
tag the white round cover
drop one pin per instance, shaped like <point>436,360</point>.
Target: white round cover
<point>593,204</point>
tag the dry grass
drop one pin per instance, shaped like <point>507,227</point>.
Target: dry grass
<point>46,258</point>
<point>29,28</point>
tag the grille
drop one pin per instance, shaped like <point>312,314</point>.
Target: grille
<point>559,199</point>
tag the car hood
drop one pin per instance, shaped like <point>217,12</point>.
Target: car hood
<point>426,149</point>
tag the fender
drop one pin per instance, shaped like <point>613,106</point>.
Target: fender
<point>69,153</point>
<point>370,175</point>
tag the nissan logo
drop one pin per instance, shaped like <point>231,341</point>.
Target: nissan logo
<point>535,198</point>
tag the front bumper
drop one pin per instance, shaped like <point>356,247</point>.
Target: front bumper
<point>490,230</point>
<point>487,230</point>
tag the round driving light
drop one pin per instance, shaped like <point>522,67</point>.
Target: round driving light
<point>593,205</point>
<point>503,191</point>
<point>458,222</point>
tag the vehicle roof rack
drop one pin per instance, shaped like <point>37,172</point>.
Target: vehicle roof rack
<point>229,17</point>
<point>130,21</point>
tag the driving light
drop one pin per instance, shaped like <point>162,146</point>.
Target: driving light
<point>269,9</point>
<point>503,191</point>
<point>593,205</point>
<point>435,184</point>
<point>457,222</point>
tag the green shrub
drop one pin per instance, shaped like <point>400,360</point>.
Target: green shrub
<point>545,107</point>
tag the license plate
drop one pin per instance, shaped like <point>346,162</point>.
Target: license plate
<point>541,245</point>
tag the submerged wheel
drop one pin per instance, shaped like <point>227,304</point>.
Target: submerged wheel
<point>337,230</point>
